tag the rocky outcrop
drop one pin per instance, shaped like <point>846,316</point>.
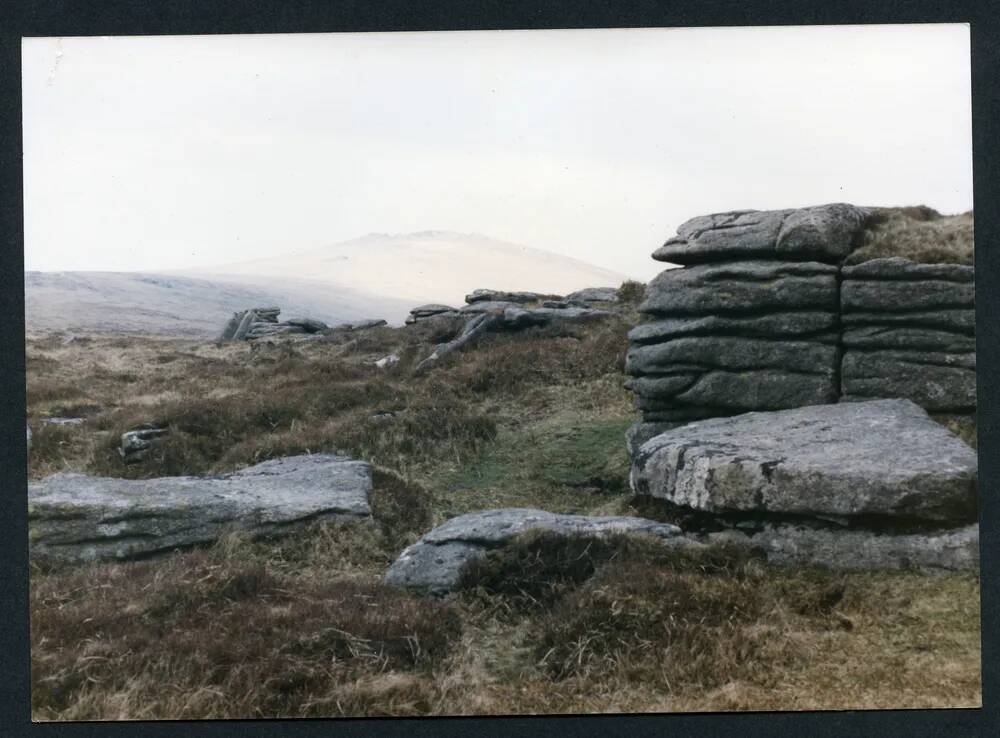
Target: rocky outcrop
<point>764,316</point>
<point>426,312</point>
<point>75,518</point>
<point>262,322</point>
<point>593,295</point>
<point>910,332</point>
<point>434,564</point>
<point>816,480</point>
<point>488,295</point>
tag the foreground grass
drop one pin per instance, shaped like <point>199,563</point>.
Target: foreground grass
<point>303,627</point>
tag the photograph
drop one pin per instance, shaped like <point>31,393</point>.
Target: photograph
<point>500,372</point>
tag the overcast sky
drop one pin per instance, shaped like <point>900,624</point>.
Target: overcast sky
<point>167,152</point>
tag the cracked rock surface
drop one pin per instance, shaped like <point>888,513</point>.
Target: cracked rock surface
<point>77,518</point>
<point>882,458</point>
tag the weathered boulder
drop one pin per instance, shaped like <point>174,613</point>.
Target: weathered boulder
<point>820,233</point>
<point>310,325</point>
<point>955,549</point>
<point>76,518</point>
<point>487,306</point>
<point>482,295</point>
<point>364,325</point>
<point>136,444</point>
<point>640,432</point>
<point>879,458</point>
<point>742,287</point>
<point>434,564</point>
<point>593,294</point>
<point>387,361</point>
<point>525,317</point>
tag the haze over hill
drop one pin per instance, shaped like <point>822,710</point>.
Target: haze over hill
<point>375,276</point>
<point>427,266</point>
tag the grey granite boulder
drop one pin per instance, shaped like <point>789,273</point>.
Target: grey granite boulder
<point>434,564</point>
<point>487,295</point>
<point>879,458</point>
<point>487,306</point>
<point>136,444</point>
<point>822,233</point>
<point>514,317</point>
<point>590,295</point>
<point>768,389</point>
<point>742,287</point>
<point>955,549</point>
<point>76,518</point>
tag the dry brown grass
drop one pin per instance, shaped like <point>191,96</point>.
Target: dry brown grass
<point>917,233</point>
<point>301,625</point>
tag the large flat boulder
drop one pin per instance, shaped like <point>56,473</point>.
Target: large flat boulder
<point>434,564</point>
<point>884,458</point>
<point>821,233</point>
<point>900,295</point>
<point>77,518</point>
<point>742,287</point>
<point>896,268</point>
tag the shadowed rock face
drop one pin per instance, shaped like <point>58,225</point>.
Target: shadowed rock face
<point>434,564</point>
<point>76,518</point>
<point>880,458</point>
<point>946,550</point>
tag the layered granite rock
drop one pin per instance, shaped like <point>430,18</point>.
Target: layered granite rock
<point>849,480</point>
<point>75,518</point>
<point>434,564</point>
<point>763,316</point>
<point>910,332</point>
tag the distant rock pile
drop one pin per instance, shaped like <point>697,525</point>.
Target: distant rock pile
<point>248,325</point>
<point>874,484</point>
<point>763,316</point>
<point>75,518</point>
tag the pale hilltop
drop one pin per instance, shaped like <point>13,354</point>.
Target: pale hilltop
<point>427,266</point>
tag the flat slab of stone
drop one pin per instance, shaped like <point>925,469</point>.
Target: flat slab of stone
<point>897,268</point>
<point>961,320</point>
<point>434,564</point>
<point>525,317</point>
<point>908,338</point>
<point>817,325</point>
<point>732,352</point>
<point>902,296</point>
<point>743,287</point>
<point>859,550</point>
<point>593,294</point>
<point>822,233</point>
<point>77,518</point>
<point>878,458</point>
<point>482,295</point>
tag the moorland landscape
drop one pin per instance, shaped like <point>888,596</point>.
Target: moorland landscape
<point>749,484</point>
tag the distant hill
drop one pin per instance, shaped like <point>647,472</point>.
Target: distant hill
<point>170,304</point>
<point>376,276</point>
<point>428,266</point>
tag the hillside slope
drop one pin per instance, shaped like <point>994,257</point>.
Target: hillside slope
<point>428,266</point>
<point>175,305</point>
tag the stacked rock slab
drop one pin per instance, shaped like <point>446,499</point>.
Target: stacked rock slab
<point>763,316</point>
<point>909,331</point>
<point>750,321</point>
